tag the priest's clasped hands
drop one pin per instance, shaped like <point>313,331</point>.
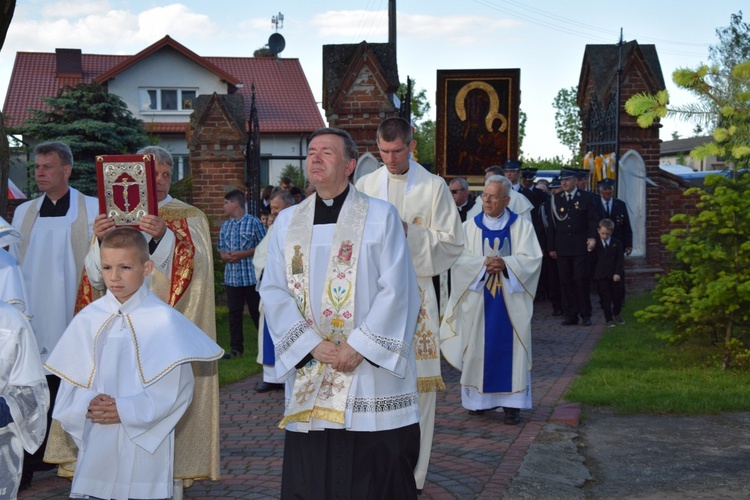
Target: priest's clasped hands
<point>494,265</point>
<point>103,410</point>
<point>343,358</point>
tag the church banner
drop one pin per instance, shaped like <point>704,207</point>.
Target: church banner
<point>477,120</point>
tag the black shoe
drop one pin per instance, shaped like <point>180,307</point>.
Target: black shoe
<point>232,354</point>
<point>570,321</point>
<point>586,321</point>
<point>512,416</point>
<point>476,412</point>
<point>266,387</point>
<point>557,312</point>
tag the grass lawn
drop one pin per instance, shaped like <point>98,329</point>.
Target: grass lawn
<point>633,371</point>
<point>232,370</point>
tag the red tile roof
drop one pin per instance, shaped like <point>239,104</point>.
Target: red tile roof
<point>282,94</point>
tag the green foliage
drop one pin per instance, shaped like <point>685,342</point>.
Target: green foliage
<point>92,122</point>
<point>568,122</point>
<point>707,295</point>
<point>554,163</point>
<point>424,129</point>
<point>294,172</point>
<point>522,118</point>
<point>233,370</point>
<point>734,43</point>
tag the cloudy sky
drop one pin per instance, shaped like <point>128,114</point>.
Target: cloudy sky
<point>546,40</point>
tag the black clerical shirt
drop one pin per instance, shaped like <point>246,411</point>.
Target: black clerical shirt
<point>55,209</point>
<point>329,215</point>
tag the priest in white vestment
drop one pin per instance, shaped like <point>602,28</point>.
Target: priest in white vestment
<point>56,229</point>
<point>180,246</point>
<point>127,380</point>
<point>433,232</point>
<point>341,301</point>
<point>277,202</point>
<point>12,289</point>
<point>486,329</point>
<point>24,397</point>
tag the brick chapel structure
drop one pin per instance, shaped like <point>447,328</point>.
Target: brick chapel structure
<point>653,196</point>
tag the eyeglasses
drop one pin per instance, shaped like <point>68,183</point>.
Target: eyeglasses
<point>493,197</point>
<point>456,191</point>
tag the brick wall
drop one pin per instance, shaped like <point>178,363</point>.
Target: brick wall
<point>365,105</point>
<point>217,161</point>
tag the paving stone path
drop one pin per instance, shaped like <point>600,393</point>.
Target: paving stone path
<point>472,456</point>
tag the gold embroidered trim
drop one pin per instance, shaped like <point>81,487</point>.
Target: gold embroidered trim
<point>93,370</point>
<point>430,384</point>
<point>303,416</point>
<point>165,370</point>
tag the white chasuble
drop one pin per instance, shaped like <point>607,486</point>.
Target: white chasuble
<point>464,331</point>
<point>435,241</point>
<point>377,275</point>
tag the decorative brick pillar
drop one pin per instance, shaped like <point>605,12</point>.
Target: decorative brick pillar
<point>216,139</point>
<point>664,193</point>
<point>359,82</point>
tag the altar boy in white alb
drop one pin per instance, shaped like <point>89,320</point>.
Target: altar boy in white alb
<point>126,377</point>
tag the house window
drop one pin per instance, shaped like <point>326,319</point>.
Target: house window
<point>154,100</point>
<point>181,167</point>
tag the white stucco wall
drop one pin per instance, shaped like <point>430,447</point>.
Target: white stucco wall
<point>164,69</point>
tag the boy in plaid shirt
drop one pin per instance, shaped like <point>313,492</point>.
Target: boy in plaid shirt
<point>238,237</point>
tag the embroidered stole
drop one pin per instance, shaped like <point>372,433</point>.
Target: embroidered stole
<point>319,390</point>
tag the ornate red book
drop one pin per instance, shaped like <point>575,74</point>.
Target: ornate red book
<point>127,187</point>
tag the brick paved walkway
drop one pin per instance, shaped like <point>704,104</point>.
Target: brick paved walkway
<point>472,456</point>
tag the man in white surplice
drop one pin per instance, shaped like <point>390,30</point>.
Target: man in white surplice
<point>56,230</point>
<point>341,302</point>
<point>486,329</point>
<point>433,230</point>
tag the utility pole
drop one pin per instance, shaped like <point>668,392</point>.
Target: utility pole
<point>392,23</point>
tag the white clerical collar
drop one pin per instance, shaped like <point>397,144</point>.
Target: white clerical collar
<point>496,223</point>
<point>165,201</point>
<point>411,179</point>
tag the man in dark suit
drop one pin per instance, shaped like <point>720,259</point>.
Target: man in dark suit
<point>512,171</point>
<point>537,197</point>
<point>460,191</point>
<point>611,208</point>
<point>570,238</point>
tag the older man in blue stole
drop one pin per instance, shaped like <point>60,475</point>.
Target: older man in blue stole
<point>486,330</point>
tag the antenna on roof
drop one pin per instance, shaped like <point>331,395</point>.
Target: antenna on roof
<point>276,42</point>
<point>278,21</point>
